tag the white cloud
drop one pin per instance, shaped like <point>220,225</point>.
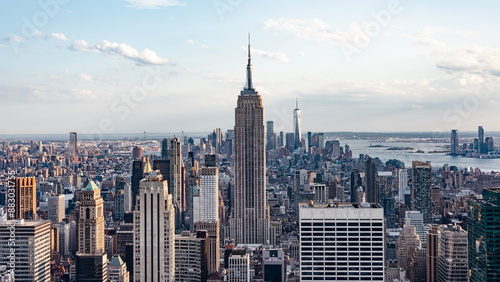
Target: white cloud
<point>190,42</point>
<point>82,93</point>
<point>84,77</point>
<point>479,60</point>
<point>15,38</point>
<point>153,4</point>
<point>114,49</point>
<point>60,36</point>
<point>203,46</point>
<point>37,33</point>
<point>282,57</point>
<point>433,36</point>
<point>320,31</point>
<point>4,46</point>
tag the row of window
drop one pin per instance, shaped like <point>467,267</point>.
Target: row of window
<point>340,229</point>
<point>340,223</point>
<point>341,254</point>
<point>340,263</point>
<point>363,234</point>
<point>320,244</point>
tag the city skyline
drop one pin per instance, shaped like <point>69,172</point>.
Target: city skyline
<point>87,70</point>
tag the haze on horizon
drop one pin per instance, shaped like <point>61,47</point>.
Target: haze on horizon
<point>173,65</point>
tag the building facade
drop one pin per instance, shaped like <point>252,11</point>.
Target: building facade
<point>250,216</point>
<point>422,186</point>
<point>340,242</point>
<point>154,230</point>
<point>29,254</point>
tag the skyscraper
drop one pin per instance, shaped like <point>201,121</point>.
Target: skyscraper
<point>432,253</point>
<point>212,228</point>
<point>372,195</point>
<point>154,230</point>
<point>136,153</point>
<point>209,194</point>
<point>91,221</point>
<point>339,229</point>
<point>191,256</point>
<point>455,147</point>
<point>137,169</point>
<point>483,233</point>
<point>250,218</point>
<point>29,254</point>
<point>91,260</point>
<point>355,184</point>
<point>452,254</point>
<point>56,208</point>
<point>422,185</point>
<point>270,144</point>
<point>296,125</point>
<point>402,184</point>
<point>480,134</point>
<point>73,144</point>
<point>25,188</point>
<point>171,150</point>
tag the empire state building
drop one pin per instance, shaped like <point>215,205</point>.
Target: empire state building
<point>249,223</point>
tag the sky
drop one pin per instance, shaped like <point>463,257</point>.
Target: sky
<point>116,66</point>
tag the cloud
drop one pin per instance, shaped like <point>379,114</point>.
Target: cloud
<point>60,36</point>
<point>478,60</point>
<point>432,36</point>
<point>321,32</point>
<point>4,46</point>
<point>153,4</point>
<point>203,46</point>
<point>83,94</point>
<point>190,42</point>
<point>145,56</point>
<point>37,33</point>
<point>84,77</point>
<point>282,57</point>
<point>15,38</point>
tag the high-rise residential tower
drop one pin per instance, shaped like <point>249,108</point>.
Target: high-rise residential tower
<point>250,217</point>
<point>25,188</point>
<point>422,186</point>
<point>296,125</point>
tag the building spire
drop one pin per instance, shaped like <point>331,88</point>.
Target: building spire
<point>297,103</point>
<point>249,85</point>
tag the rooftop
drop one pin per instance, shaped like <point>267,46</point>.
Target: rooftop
<point>363,205</point>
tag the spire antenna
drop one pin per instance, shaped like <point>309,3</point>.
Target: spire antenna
<point>296,103</point>
<point>249,85</point>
